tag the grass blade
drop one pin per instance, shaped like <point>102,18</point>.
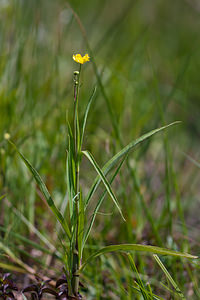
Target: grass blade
<point>140,283</point>
<point>12,268</point>
<point>138,247</point>
<point>86,113</point>
<point>44,191</point>
<point>99,204</point>
<point>112,162</point>
<point>104,180</point>
<point>70,175</point>
<point>81,221</point>
<point>171,280</point>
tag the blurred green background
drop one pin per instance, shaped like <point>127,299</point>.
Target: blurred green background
<point>147,56</point>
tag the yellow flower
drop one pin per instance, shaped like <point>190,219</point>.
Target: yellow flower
<point>81,59</point>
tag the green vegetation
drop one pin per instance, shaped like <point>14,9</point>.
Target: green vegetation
<point>99,162</point>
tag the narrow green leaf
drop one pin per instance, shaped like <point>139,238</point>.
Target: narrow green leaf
<point>70,134</point>
<point>104,180</point>
<point>44,190</point>
<point>154,297</point>
<point>69,184</point>
<point>112,162</point>
<point>140,283</point>
<point>99,203</point>
<point>78,136</point>
<point>150,291</point>
<point>66,252</point>
<point>12,268</point>
<point>138,247</point>
<point>70,175</point>
<point>86,114</point>
<point>81,219</point>
<point>171,280</point>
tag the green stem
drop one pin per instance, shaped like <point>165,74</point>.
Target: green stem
<point>76,259</point>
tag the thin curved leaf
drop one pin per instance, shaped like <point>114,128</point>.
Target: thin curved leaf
<point>140,284</point>
<point>86,235</point>
<point>44,191</point>
<point>104,180</point>
<point>86,113</point>
<point>9,267</point>
<point>137,247</point>
<point>171,280</point>
<point>112,162</point>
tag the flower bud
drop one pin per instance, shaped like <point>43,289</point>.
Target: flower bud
<point>6,136</point>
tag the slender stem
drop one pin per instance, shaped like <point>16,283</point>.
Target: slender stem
<point>76,259</point>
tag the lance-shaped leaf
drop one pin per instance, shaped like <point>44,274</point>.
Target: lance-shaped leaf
<point>44,191</point>
<point>143,290</point>
<point>86,235</point>
<point>81,221</point>
<point>86,114</point>
<point>104,180</point>
<point>171,280</point>
<point>113,161</point>
<point>137,247</point>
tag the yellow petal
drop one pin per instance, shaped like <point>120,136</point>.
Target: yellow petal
<point>86,58</point>
<point>81,60</point>
<point>78,58</point>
